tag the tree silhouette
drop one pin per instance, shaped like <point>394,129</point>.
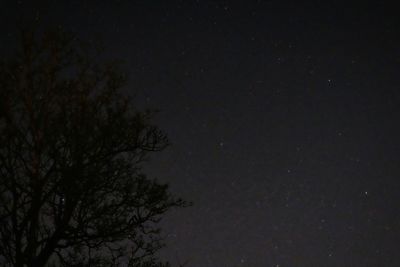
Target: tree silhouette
<point>72,192</point>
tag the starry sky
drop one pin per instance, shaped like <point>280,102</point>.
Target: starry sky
<point>283,118</point>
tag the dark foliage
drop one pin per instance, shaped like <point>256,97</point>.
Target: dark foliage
<point>71,150</point>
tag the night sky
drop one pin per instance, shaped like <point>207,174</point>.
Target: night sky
<point>283,118</point>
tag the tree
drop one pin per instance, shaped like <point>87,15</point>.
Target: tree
<point>72,147</point>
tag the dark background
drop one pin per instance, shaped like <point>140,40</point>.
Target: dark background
<point>284,119</point>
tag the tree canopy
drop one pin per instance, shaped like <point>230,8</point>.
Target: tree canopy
<point>72,147</point>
